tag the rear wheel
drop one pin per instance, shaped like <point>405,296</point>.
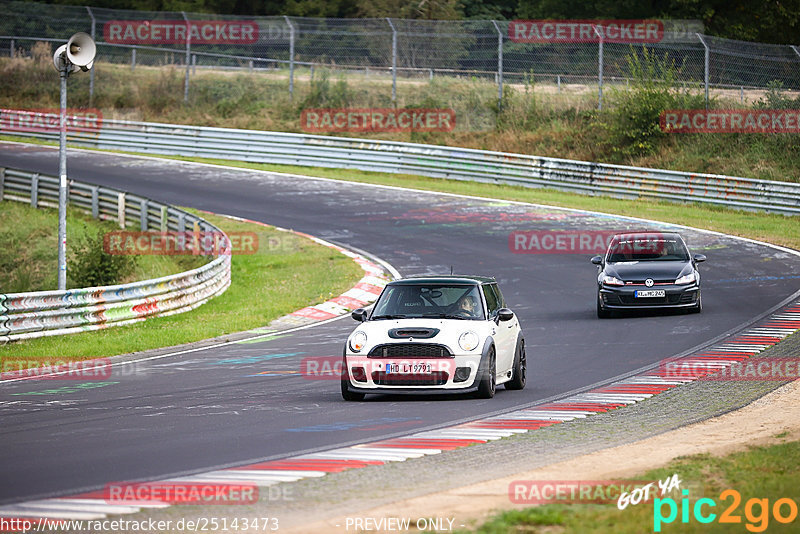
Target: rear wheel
<point>488,383</point>
<point>518,374</point>
<point>346,393</point>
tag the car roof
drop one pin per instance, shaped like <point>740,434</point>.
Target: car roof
<point>444,279</point>
<point>654,233</point>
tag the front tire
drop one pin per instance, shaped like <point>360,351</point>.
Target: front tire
<point>518,374</point>
<point>602,313</point>
<point>699,307</point>
<point>488,383</point>
<point>345,382</point>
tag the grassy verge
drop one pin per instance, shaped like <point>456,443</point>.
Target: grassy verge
<point>769,473</point>
<point>287,273</point>
<point>28,239</point>
<point>534,119</point>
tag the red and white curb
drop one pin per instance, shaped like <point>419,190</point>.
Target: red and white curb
<point>739,347</point>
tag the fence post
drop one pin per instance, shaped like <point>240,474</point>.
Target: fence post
<point>706,65</point>
<point>394,60</point>
<point>133,59</point>
<point>194,64</point>
<point>499,64</point>
<point>91,72</point>
<point>2,181</point>
<point>599,69</point>
<point>11,49</point>
<point>291,55</point>
<point>188,58</point>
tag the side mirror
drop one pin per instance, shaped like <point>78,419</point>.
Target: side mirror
<point>699,258</point>
<point>360,315</point>
<point>504,314</point>
<point>597,260</point>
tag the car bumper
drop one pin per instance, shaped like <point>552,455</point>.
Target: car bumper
<point>369,375</point>
<point>625,297</point>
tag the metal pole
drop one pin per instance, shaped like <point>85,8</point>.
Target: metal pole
<point>188,54</point>
<point>11,49</point>
<point>91,74</point>
<point>394,60</point>
<point>706,66</point>
<point>499,64</point>
<point>599,69</point>
<point>133,59</point>
<point>796,51</point>
<point>62,172</point>
<point>291,55</point>
<point>194,64</point>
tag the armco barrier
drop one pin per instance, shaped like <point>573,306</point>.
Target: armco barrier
<point>48,313</point>
<point>433,161</point>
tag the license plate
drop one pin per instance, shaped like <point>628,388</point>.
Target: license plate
<point>649,293</point>
<point>409,368</point>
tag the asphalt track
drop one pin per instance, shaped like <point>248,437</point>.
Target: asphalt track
<point>246,402</point>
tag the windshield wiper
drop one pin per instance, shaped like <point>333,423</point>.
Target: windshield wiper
<point>446,316</point>
<point>389,317</point>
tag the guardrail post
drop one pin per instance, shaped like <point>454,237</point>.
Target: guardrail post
<point>2,181</point>
<point>95,202</point>
<point>121,210</point>
<point>394,59</point>
<point>706,66</point>
<point>188,54</point>
<point>291,55</point>
<point>91,71</point>
<point>164,218</point>
<point>144,206</point>
<point>35,190</point>
<point>133,59</point>
<point>181,222</point>
<point>499,64</point>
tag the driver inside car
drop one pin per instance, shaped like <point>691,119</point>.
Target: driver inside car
<point>467,305</point>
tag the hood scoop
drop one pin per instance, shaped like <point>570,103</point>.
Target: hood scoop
<point>412,332</point>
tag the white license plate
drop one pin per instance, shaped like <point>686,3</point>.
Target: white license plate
<point>649,293</point>
<point>409,368</point>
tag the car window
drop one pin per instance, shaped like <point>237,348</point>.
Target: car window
<point>647,248</point>
<point>491,300</point>
<point>501,302</point>
<point>429,300</point>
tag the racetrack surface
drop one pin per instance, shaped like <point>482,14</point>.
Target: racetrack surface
<point>245,402</point>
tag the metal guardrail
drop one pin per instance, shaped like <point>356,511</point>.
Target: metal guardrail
<point>48,313</point>
<point>435,161</point>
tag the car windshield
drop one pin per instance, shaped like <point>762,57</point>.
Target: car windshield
<point>435,301</point>
<point>647,248</point>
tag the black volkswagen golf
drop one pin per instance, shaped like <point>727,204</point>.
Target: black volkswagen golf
<point>645,271</point>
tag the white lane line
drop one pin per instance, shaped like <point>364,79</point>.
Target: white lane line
<point>121,502</point>
<point>401,450</point>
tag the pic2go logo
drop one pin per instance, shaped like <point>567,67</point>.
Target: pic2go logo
<point>756,511</point>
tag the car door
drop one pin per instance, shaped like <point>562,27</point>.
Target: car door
<point>505,337</point>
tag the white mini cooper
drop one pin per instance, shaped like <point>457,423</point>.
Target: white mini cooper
<point>444,334</point>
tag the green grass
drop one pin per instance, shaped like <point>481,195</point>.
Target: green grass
<point>534,119</point>
<point>289,272</point>
<point>770,472</point>
<point>30,255</point>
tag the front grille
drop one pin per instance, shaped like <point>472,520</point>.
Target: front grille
<point>688,298</point>
<point>437,378</point>
<point>410,350</point>
<point>655,282</point>
<point>633,301</point>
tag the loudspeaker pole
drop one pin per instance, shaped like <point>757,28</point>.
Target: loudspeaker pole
<point>63,73</point>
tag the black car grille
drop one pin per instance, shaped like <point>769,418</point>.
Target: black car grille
<point>633,301</point>
<point>410,350</point>
<point>437,378</point>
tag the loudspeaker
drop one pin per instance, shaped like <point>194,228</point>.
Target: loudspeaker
<point>78,53</point>
<point>81,50</point>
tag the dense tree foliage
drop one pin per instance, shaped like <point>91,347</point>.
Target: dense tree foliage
<point>771,21</point>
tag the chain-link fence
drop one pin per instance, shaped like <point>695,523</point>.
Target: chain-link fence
<point>393,48</point>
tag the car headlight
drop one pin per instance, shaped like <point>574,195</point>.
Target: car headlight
<point>358,341</point>
<point>612,281</point>
<point>686,279</point>
<point>468,340</point>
